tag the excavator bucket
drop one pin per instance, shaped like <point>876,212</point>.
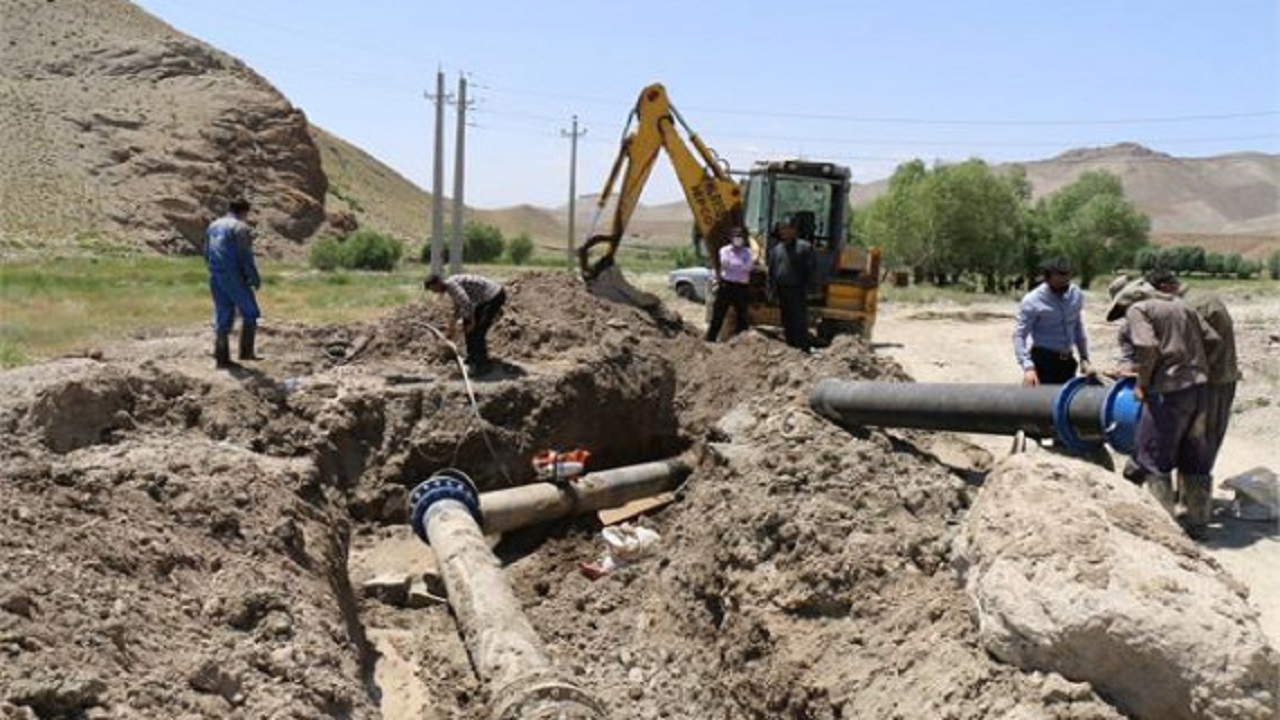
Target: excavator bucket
<point>609,283</point>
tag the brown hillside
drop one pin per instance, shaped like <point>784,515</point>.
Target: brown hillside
<point>1226,194</point>
<point>668,224</point>
<point>384,200</point>
<point>114,124</point>
<point>379,197</point>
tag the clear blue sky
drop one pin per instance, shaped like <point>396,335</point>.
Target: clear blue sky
<point>868,84</point>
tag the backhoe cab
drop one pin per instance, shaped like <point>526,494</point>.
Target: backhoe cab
<point>813,196</point>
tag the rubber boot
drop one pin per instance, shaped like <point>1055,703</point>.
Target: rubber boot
<point>247,335</point>
<point>1197,496</point>
<point>1160,485</point>
<point>222,351</point>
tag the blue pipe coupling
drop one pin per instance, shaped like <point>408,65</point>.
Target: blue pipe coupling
<point>446,484</point>
<point>1117,415</point>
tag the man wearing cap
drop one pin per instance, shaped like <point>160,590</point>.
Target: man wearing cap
<point>1223,369</point>
<point>733,278</point>
<point>1049,316</point>
<point>1169,341</point>
<point>233,278</point>
<point>477,302</point>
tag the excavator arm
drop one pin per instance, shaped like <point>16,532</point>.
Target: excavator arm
<point>714,197</point>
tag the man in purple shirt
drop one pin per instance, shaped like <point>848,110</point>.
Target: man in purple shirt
<point>733,284</point>
<point>1050,316</point>
<point>477,302</point>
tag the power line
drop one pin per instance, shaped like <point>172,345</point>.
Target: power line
<point>998,122</point>
<point>907,120</point>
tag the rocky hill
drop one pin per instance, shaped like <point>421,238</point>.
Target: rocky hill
<point>114,125</point>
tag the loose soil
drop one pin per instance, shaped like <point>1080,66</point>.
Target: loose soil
<point>185,543</point>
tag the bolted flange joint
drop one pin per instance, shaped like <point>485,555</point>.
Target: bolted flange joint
<point>446,484</point>
<point>1120,413</point>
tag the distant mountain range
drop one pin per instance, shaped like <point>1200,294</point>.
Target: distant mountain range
<point>115,126</point>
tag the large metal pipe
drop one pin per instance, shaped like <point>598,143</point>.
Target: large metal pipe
<point>452,517</point>
<point>516,507</point>
<point>1081,414</point>
<point>506,652</point>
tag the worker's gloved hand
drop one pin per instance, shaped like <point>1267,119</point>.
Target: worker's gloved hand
<point>1086,368</point>
<point>1139,394</point>
<point>1030,379</point>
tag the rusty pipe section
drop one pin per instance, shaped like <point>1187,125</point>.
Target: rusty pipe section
<point>451,516</point>
<point>503,510</point>
<point>507,654</point>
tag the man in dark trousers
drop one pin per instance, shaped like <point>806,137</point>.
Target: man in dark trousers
<point>733,287</point>
<point>1170,344</point>
<point>477,302</point>
<point>791,268</point>
<point>1223,368</point>
<point>1049,316</point>
<point>233,278</point>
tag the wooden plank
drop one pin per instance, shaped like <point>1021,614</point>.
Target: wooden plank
<point>635,508</point>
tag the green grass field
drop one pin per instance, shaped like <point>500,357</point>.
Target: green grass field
<point>52,307</point>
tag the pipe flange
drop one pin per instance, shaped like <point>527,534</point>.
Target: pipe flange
<point>545,697</point>
<point>1067,434</point>
<point>446,484</point>
<point>1119,415</point>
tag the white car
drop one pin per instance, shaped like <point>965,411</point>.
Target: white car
<point>690,283</point>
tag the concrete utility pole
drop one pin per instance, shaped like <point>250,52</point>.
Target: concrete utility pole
<point>437,186</point>
<point>573,135</point>
<point>459,162</point>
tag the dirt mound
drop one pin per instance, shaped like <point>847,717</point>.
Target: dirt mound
<point>179,537</point>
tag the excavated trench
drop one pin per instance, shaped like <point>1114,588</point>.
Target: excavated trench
<point>184,543</point>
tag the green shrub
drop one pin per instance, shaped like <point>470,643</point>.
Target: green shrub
<point>520,249</point>
<point>1147,258</point>
<point>1247,269</point>
<point>326,254</point>
<point>369,250</point>
<point>425,257</point>
<point>481,243</point>
<point>361,250</point>
<point>1214,264</point>
<point>1273,265</point>
<point>685,257</point>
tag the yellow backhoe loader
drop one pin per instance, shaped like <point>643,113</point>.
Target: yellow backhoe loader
<point>813,196</point>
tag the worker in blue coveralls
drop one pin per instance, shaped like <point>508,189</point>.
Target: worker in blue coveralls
<point>233,277</point>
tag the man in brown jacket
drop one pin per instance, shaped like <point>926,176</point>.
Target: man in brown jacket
<point>1224,368</point>
<point>1169,341</point>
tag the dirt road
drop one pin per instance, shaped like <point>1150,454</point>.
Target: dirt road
<point>947,342</point>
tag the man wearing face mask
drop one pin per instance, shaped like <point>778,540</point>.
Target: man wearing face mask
<point>1049,316</point>
<point>733,279</point>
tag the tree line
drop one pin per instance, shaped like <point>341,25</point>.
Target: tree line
<point>1189,259</point>
<point>964,219</point>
